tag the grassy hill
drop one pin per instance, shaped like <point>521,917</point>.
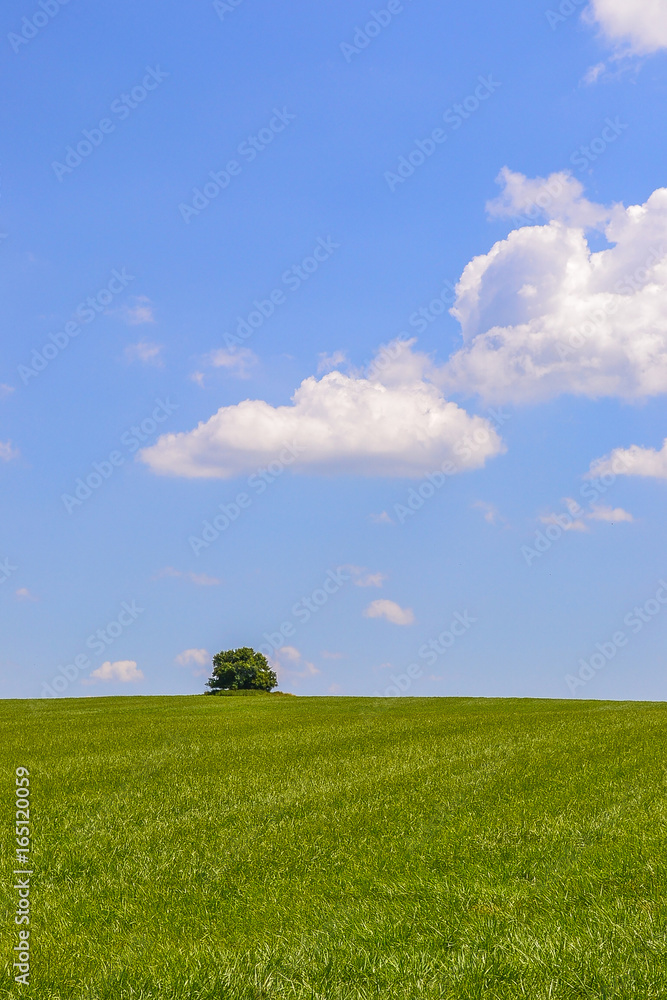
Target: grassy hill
<point>200,848</point>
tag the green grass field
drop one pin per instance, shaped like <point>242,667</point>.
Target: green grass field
<point>214,848</point>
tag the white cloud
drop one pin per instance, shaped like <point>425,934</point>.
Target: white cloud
<point>24,594</point>
<point>141,311</point>
<point>145,351</point>
<point>395,423</point>
<point>200,579</point>
<point>124,671</point>
<point>577,517</point>
<point>559,196</point>
<point>381,518</point>
<point>197,657</point>
<point>594,73</point>
<point>290,665</point>
<point>542,314</point>
<point>327,655</point>
<point>490,512</point>
<point>638,25</point>
<point>562,521</point>
<point>610,514</point>
<point>203,580</point>
<point>362,578</point>
<point>390,611</point>
<point>6,390</point>
<point>290,653</point>
<point>370,580</point>
<point>329,361</point>
<point>7,452</point>
<point>236,361</point>
<point>189,656</point>
<point>632,461</point>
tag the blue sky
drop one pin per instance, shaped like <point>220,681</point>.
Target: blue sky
<point>445,231</point>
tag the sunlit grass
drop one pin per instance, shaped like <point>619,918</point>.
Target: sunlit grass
<point>338,848</point>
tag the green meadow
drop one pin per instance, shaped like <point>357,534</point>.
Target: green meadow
<point>202,848</point>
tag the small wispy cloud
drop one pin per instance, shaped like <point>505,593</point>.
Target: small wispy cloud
<point>124,671</point>
<point>381,518</point>
<point>327,655</point>
<point>390,611</point>
<point>490,512</point>
<point>573,524</point>
<point>199,579</point>
<point>145,351</point>
<point>236,361</point>
<point>370,580</point>
<point>139,311</point>
<point>593,74</point>
<point>290,664</point>
<point>362,578</point>
<point>189,656</point>
<point>327,362</point>
<point>7,452</point>
<point>577,518</point>
<point>6,390</point>
<point>23,594</point>
<point>609,514</point>
<point>199,658</point>
<point>204,580</point>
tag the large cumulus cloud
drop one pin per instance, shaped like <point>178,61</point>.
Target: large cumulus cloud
<point>543,314</point>
<point>391,421</point>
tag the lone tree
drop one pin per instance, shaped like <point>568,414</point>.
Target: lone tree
<point>241,670</point>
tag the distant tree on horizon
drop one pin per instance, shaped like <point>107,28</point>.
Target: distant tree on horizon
<point>241,670</point>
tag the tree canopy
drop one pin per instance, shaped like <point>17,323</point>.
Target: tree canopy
<point>241,670</point>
